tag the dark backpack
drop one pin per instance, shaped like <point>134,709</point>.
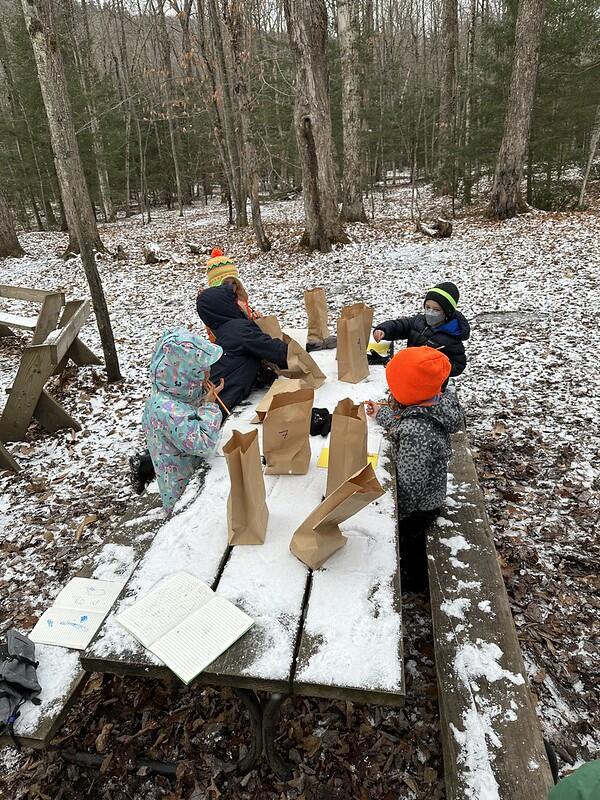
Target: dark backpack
<point>18,680</point>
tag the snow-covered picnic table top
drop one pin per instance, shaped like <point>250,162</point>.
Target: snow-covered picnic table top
<point>335,633</point>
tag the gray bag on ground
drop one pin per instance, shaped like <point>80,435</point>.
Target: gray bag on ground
<point>18,680</point>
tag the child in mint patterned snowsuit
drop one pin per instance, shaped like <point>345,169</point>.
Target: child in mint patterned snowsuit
<point>179,425</point>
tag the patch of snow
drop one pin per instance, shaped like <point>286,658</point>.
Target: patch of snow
<point>455,544</point>
<point>456,608</point>
<point>57,669</point>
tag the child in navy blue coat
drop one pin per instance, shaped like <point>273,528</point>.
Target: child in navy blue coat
<point>440,326</point>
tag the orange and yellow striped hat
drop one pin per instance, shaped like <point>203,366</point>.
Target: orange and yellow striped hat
<point>219,267</point>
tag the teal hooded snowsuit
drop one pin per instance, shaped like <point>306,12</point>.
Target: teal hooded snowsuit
<point>179,427</point>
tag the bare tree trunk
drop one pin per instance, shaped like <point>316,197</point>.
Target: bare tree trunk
<point>97,143</point>
<point>165,47</point>
<point>9,244</point>
<point>467,165</point>
<point>307,29</point>
<point>75,195</point>
<point>347,28</point>
<point>505,199</point>
<point>227,116</point>
<point>78,208</point>
<point>446,140</point>
<point>594,139</point>
<point>239,29</point>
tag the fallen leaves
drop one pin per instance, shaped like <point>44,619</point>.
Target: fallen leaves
<point>87,520</point>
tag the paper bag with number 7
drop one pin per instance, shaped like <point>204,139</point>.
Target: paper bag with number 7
<point>319,536</point>
<point>352,341</point>
<point>247,512</point>
<point>286,432</point>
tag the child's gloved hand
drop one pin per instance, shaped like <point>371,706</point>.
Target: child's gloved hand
<point>213,391</point>
<point>371,407</point>
<point>378,334</point>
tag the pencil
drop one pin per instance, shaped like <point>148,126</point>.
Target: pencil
<point>211,385</point>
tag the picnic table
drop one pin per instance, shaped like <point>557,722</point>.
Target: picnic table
<point>333,633</point>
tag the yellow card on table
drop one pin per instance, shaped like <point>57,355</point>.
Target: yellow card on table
<point>383,348</point>
<point>323,461</point>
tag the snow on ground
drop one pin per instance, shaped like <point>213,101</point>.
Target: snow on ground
<point>531,392</point>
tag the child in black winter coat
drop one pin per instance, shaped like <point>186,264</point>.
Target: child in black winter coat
<point>440,326</point>
<point>244,344</point>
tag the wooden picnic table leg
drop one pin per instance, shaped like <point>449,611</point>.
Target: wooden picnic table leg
<point>48,317</point>
<point>252,703</point>
<point>79,352</point>
<point>34,371</point>
<point>52,416</point>
<point>282,768</point>
<point>7,461</point>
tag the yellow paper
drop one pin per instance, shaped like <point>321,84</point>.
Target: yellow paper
<point>323,461</point>
<point>383,348</point>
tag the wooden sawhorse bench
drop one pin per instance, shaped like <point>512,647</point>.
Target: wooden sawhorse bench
<point>28,398</point>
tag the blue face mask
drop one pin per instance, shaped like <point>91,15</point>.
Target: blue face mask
<point>433,318</point>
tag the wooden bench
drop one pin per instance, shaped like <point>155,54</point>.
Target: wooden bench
<point>490,731</point>
<point>44,322</point>
<point>28,399</point>
<point>37,726</point>
<point>295,647</point>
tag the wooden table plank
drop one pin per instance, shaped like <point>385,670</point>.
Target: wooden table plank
<point>490,731</point>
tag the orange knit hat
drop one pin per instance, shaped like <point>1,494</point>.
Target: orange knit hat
<point>416,374</point>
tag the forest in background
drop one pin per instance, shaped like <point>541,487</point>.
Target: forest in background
<point>173,100</point>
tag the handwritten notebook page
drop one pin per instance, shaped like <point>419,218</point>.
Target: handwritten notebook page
<point>204,636</point>
<point>163,608</point>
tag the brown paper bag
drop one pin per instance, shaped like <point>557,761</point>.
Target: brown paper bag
<point>247,512</point>
<point>319,536</point>
<point>315,303</point>
<point>301,365</point>
<point>347,444</point>
<point>286,432</point>
<point>270,326</point>
<point>352,344</point>
<point>280,386</point>
<point>366,313</point>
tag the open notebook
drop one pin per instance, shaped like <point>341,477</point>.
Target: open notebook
<point>185,624</point>
<point>77,613</point>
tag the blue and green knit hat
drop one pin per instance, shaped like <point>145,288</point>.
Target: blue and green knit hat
<point>446,294</point>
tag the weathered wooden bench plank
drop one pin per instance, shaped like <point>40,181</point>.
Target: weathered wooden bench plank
<point>17,321</point>
<point>26,293</point>
<point>490,731</point>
